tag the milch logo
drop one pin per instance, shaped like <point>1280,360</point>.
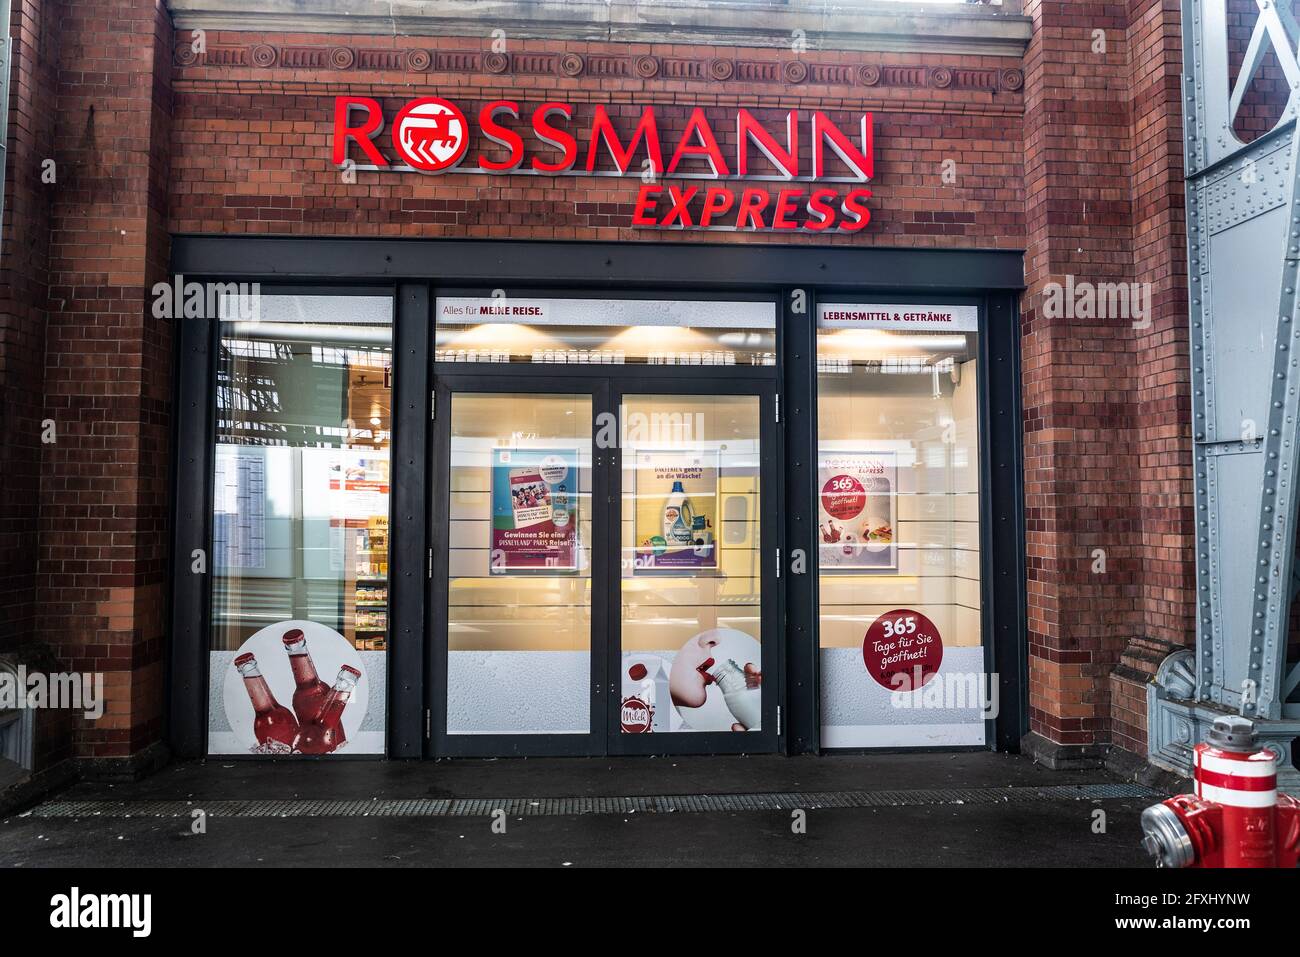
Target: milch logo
<point>433,135</point>
<point>97,911</point>
<point>636,716</point>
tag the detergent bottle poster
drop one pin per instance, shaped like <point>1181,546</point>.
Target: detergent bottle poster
<point>857,504</point>
<point>676,511</point>
<point>534,510</point>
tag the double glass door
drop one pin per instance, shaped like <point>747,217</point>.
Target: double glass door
<point>601,578</point>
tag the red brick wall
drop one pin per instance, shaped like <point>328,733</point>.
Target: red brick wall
<point>24,278</point>
<point>104,493</point>
<point>1163,401</point>
<point>24,274</point>
<point>1082,489</point>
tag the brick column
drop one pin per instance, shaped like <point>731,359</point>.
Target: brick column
<point>24,277</point>
<point>1106,398</point>
<point>104,495</point>
<point>1163,400</point>
<point>1082,490</point>
<point>24,293</point>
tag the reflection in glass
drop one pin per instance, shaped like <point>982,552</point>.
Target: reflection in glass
<point>300,496</point>
<point>606,332</point>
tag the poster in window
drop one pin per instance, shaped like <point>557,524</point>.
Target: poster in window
<point>296,687</point>
<point>676,512</point>
<point>357,506</point>
<point>239,509</point>
<point>857,511</point>
<point>714,682</point>
<point>534,510</point>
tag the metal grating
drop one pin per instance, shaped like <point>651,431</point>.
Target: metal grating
<point>573,806</point>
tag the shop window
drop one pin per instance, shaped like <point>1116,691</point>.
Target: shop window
<point>603,332</point>
<point>902,657</point>
<point>300,525</point>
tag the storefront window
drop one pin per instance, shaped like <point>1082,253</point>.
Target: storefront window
<point>604,332</point>
<point>902,657</point>
<point>300,526</point>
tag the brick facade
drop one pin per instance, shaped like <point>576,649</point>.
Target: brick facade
<point>85,510</point>
<point>1072,154</point>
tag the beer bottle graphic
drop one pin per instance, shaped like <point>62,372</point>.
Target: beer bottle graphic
<point>274,725</point>
<point>309,695</point>
<point>324,734</point>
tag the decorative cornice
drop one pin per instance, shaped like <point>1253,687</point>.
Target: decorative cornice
<point>790,74</point>
<point>822,25</point>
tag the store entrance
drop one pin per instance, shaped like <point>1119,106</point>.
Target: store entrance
<point>604,580</point>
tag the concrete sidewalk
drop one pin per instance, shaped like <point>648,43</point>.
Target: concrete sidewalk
<point>972,809</point>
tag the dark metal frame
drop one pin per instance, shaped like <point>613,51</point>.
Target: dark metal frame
<point>412,268</point>
<point>442,744</point>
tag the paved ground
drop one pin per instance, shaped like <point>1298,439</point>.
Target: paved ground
<point>927,829</point>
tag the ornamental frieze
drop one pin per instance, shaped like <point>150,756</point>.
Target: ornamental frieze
<point>705,69</point>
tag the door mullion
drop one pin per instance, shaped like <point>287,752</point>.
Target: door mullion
<point>602,571</point>
<point>613,637</point>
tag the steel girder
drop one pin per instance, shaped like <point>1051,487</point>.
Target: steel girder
<point>1243,232</point>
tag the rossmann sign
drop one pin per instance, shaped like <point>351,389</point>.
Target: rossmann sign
<point>802,174</point>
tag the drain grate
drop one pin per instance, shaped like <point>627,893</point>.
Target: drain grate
<point>571,806</point>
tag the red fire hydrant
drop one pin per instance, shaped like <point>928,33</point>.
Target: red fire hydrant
<point>1236,818</point>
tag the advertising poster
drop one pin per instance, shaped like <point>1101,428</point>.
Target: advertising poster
<point>359,482</point>
<point>857,509</point>
<point>714,682</point>
<point>534,510</point>
<point>356,504</point>
<point>676,511</point>
<point>239,509</point>
<point>294,687</point>
<point>902,650</point>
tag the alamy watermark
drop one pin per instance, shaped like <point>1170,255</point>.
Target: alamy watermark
<point>180,299</point>
<point>1074,299</point>
<point>947,691</point>
<point>69,691</point>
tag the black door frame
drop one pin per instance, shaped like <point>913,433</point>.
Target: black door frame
<point>412,268</point>
<point>440,743</point>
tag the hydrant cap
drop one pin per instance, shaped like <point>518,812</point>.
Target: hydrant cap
<point>1233,732</point>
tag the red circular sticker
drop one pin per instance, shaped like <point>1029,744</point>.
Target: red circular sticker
<point>843,497</point>
<point>902,650</point>
<point>635,715</point>
<point>431,134</point>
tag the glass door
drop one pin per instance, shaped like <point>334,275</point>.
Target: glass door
<point>693,605</point>
<point>600,584</point>
<point>520,647</point>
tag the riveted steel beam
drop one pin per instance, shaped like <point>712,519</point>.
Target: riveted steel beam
<point>1243,226</point>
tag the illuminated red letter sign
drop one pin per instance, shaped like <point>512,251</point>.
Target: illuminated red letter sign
<point>432,135</point>
<point>364,135</point>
